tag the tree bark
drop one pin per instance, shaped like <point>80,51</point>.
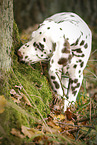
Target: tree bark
<point>6,29</point>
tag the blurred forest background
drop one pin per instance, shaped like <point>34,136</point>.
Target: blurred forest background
<point>30,12</point>
<point>26,111</point>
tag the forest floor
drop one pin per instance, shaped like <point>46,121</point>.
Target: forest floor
<point>28,117</point>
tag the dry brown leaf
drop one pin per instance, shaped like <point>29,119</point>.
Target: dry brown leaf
<point>3,102</point>
<point>49,129</point>
<point>17,133</point>
<point>53,125</point>
<point>26,132</point>
<point>70,115</point>
<point>30,132</point>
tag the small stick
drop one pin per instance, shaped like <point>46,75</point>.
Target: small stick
<point>67,124</point>
<point>86,119</point>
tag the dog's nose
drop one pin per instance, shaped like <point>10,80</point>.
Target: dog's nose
<point>19,54</point>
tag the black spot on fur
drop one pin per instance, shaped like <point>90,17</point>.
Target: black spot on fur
<point>72,15</point>
<point>34,44</point>
<point>26,57</point>
<point>75,66</point>
<point>62,61</point>
<point>52,61</point>
<point>72,88</point>
<point>78,50</point>
<point>86,46</point>
<point>79,71</point>
<point>78,55</point>
<point>77,41</point>
<point>78,84</point>
<point>82,42</point>
<point>71,81</point>
<point>74,93</point>
<point>80,60</point>
<point>82,55</point>
<point>42,55</point>
<point>82,64</point>
<point>41,45</point>
<point>81,32</point>
<point>44,39</point>
<point>57,86</point>
<point>40,32</point>
<point>61,21</point>
<point>60,28</point>
<point>75,80</point>
<point>44,52</point>
<point>48,27</point>
<point>53,77</point>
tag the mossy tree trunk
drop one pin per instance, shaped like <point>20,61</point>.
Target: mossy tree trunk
<point>6,29</point>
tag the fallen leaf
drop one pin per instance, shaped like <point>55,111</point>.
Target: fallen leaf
<point>17,133</point>
<point>70,115</point>
<point>26,132</point>
<point>30,132</point>
<point>3,102</point>
<point>50,129</point>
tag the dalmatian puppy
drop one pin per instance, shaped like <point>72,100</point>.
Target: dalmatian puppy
<point>65,40</point>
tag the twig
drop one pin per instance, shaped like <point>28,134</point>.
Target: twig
<point>70,130</point>
<point>92,60</point>
<point>92,73</point>
<point>93,52</point>
<point>86,119</point>
<point>67,124</point>
<point>90,109</point>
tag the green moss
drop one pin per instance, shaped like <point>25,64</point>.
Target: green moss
<point>35,88</point>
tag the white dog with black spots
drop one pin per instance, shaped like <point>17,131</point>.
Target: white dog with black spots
<point>65,40</point>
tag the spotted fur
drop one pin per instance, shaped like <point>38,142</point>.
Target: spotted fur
<point>65,40</point>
